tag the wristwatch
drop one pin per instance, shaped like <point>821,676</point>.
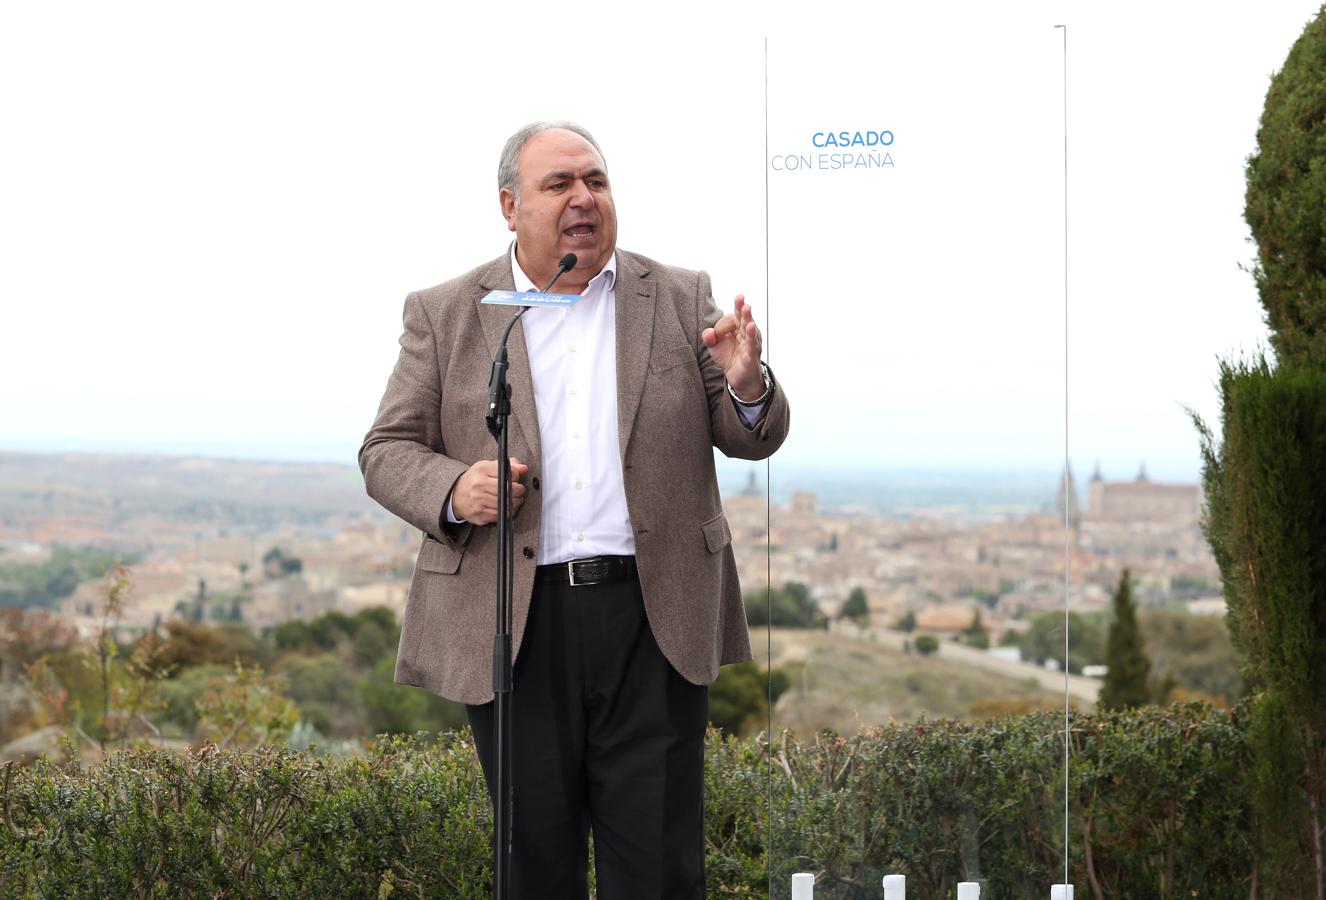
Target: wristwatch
<point>768,388</point>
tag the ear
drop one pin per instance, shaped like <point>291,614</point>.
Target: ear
<point>507,198</point>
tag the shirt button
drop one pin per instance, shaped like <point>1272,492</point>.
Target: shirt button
<point>572,348</point>
<point>572,392</point>
<point>580,537</point>
<point>579,485</point>
<point>576,435</point>
<point>528,553</point>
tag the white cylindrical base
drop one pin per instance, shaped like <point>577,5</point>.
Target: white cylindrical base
<point>1061,892</point>
<point>895,887</point>
<point>803,886</point>
<point>969,890</point>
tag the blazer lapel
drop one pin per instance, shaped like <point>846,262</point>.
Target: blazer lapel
<point>635,336</point>
<point>496,276</point>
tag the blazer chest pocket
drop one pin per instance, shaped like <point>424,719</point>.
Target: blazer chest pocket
<point>436,556</point>
<point>664,360</point>
<point>717,535</point>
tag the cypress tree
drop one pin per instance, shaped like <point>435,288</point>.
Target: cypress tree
<point>1266,480</point>
<point>1285,203</point>
<point>1125,681</point>
<point>976,634</point>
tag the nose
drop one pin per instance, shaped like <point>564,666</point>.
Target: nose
<point>581,196</point>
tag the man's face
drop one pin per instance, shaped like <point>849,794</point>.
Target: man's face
<point>565,206</point>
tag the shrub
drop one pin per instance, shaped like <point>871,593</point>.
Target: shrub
<point>1159,809</point>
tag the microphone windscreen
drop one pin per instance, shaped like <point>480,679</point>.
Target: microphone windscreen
<point>568,262</point>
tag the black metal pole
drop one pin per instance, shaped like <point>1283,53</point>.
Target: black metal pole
<point>503,805</point>
<point>499,410</point>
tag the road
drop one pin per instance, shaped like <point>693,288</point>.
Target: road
<point>1080,687</point>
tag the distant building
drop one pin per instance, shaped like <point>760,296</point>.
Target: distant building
<point>1095,489</point>
<point>282,599</point>
<point>1143,500</point>
<point>946,620</point>
<point>804,503</point>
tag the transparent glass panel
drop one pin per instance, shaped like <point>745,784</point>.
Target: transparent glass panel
<point>916,320</point>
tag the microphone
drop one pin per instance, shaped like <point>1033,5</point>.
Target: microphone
<point>564,265</point>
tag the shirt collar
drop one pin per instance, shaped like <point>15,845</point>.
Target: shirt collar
<point>607,277</point>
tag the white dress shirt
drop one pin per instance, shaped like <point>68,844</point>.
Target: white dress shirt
<point>573,362</point>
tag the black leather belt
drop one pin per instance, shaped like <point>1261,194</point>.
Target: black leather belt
<point>595,570</point>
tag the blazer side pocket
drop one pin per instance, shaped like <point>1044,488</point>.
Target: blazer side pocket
<point>436,556</point>
<point>717,535</point>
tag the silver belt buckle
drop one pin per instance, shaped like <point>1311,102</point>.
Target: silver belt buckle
<point>571,572</point>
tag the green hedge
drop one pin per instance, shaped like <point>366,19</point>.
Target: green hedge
<point>1158,798</point>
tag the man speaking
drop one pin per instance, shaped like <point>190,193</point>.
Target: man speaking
<point>625,590</point>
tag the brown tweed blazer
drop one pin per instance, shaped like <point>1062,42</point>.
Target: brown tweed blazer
<point>672,409</point>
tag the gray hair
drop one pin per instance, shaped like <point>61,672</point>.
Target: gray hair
<point>508,173</point>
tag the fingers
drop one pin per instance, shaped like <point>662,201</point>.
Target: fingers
<point>725,326</point>
<point>474,496</point>
<point>739,322</point>
<point>747,316</point>
<point>518,470</point>
<point>749,328</point>
<point>735,340</point>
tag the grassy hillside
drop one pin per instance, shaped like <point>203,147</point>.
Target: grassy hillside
<point>848,683</point>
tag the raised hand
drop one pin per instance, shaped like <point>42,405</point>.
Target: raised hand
<point>735,344</point>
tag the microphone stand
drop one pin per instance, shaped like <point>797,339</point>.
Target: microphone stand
<point>499,410</point>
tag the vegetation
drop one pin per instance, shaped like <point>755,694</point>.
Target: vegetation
<point>790,607</point>
<point>1191,657</point>
<point>740,698</point>
<point>989,598</point>
<point>1285,196</point>
<point>44,584</point>
<point>191,681</point>
<point>976,634</point>
<point>848,683</point>
<point>275,563</point>
<point>855,607</point>
<point>329,679</point>
<point>1158,803</point>
<point>1267,527</point>
<point>104,697</point>
<point>1126,680</point>
<point>1264,481</point>
<point>1045,640</point>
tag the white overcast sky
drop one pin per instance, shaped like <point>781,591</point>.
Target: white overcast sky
<point>211,214</point>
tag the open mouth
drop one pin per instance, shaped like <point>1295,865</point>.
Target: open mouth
<point>584,229</point>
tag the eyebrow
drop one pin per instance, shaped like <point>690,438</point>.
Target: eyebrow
<point>564,176</point>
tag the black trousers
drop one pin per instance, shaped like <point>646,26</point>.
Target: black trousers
<point>606,735</point>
